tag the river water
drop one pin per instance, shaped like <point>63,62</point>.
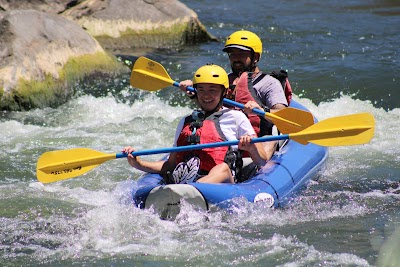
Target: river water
<point>342,58</point>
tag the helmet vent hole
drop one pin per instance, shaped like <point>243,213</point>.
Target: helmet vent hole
<point>215,75</point>
<point>244,38</point>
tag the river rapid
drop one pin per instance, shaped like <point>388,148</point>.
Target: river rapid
<point>342,58</point>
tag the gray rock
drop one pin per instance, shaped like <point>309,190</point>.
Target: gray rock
<point>47,6</point>
<point>41,55</point>
<point>139,23</point>
<point>121,24</point>
<point>47,45</point>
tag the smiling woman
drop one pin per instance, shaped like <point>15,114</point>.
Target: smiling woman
<point>218,125</point>
<point>211,83</point>
<point>210,96</point>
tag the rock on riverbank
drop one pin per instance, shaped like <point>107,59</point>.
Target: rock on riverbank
<point>47,45</point>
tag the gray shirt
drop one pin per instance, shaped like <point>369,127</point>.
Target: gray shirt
<point>270,91</point>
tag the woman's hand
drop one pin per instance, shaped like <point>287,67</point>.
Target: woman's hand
<point>245,143</point>
<point>256,151</point>
<point>133,161</point>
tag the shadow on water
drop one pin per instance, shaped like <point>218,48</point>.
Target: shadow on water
<point>380,7</point>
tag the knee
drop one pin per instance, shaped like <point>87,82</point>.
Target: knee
<point>227,172</point>
<point>224,167</point>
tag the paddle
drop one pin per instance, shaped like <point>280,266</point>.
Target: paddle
<point>151,76</point>
<point>346,130</point>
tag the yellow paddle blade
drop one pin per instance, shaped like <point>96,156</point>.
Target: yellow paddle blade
<point>149,75</point>
<point>64,164</point>
<point>354,129</point>
<point>291,120</point>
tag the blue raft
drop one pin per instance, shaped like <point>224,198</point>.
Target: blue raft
<point>275,184</point>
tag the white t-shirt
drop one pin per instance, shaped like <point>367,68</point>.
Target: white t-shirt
<point>233,123</point>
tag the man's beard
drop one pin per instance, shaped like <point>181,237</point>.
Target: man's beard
<point>238,68</point>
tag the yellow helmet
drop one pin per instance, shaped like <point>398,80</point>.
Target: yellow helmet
<point>211,74</point>
<point>244,40</point>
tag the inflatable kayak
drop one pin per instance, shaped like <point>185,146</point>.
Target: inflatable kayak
<point>275,184</point>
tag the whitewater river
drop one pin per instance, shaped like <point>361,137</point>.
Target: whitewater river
<point>342,58</point>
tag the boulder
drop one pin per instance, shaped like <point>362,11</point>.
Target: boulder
<point>47,45</point>
<point>121,24</point>
<point>126,24</point>
<point>42,55</point>
<point>47,6</point>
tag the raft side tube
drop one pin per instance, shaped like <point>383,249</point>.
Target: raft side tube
<point>145,185</point>
<point>301,162</point>
<point>254,190</point>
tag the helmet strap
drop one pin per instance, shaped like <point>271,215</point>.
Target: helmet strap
<point>217,108</point>
<point>253,64</point>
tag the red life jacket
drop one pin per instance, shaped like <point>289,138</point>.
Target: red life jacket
<point>243,95</point>
<point>209,132</point>
<point>243,92</point>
